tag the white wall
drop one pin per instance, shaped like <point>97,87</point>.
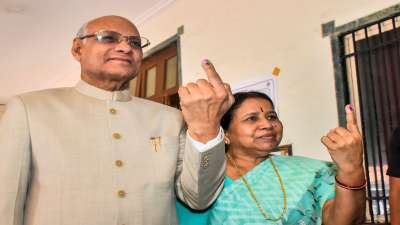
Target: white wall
<point>246,39</point>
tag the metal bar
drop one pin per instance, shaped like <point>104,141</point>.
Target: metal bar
<point>394,42</point>
<point>358,25</point>
<point>341,85</point>
<point>384,131</point>
<point>395,87</point>
<point>385,71</point>
<point>369,199</point>
<point>371,115</point>
<point>364,132</point>
<point>374,142</point>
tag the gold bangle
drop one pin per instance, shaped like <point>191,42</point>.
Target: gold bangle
<point>352,188</point>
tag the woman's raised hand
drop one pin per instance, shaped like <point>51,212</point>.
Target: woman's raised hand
<point>346,149</point>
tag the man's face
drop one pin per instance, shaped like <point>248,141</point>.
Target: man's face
<point>108,61</point>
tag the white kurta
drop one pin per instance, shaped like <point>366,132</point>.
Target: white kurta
<point>84,156</point>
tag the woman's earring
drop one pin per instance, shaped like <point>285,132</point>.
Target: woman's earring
<point>227,141</point>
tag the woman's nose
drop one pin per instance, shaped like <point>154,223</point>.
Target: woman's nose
<point>266,124</point>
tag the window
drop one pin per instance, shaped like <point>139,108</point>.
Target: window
<point>366,55</point>
<point>158,79</point>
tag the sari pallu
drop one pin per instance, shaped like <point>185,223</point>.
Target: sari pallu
<point>308,183</point>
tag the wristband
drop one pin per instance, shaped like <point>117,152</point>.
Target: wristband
<point>352,188</point>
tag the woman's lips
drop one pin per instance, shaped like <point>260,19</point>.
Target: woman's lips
<point>266,137</point>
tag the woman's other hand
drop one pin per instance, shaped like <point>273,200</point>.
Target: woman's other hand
<point>346,149</point>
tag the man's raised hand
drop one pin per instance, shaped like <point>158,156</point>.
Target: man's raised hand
<point>203,104</point>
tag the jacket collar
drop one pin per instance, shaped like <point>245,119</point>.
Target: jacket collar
<point>95,92</point>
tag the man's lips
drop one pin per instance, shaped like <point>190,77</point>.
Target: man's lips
<point>120,59</point>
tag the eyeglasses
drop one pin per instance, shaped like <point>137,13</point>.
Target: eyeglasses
<point>112,37</point>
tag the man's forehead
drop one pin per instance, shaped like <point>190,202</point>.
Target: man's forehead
<point>113,23</point>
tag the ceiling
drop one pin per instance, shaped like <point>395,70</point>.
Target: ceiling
<point>36,37</point>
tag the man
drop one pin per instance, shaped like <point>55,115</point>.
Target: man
<point>394,177</point>
<point>93,155</point>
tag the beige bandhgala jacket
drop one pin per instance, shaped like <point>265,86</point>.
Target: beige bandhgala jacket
<point>85,156</point>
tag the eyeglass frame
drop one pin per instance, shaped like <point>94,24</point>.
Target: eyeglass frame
<point>121,38</point>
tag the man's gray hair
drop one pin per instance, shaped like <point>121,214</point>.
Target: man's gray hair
<point>81,32</point>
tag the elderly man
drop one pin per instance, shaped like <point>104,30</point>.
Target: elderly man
<point>93,155</point>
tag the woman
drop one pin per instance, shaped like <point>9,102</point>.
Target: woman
<point>265,189</point>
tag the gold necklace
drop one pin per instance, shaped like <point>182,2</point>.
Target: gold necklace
<point>253,195</point>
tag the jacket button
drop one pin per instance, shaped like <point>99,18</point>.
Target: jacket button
<point>121,193</point>
<point>113,111</point>
<point>119,163</point>
<point>116,136</point>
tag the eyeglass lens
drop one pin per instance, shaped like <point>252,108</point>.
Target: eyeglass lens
<point>115,37</point>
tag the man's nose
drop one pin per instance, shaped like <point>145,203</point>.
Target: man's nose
<point>123,45</point>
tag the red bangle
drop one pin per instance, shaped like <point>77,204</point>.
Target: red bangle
<point>352,188</point>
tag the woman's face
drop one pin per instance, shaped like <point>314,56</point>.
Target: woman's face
<point>255,128</point>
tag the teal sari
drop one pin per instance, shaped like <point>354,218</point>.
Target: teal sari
<point>308,183</point>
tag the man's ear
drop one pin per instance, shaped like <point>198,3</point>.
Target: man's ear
<point>76,49</point>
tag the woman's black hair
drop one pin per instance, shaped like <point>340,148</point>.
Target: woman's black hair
<point>240,97</point>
